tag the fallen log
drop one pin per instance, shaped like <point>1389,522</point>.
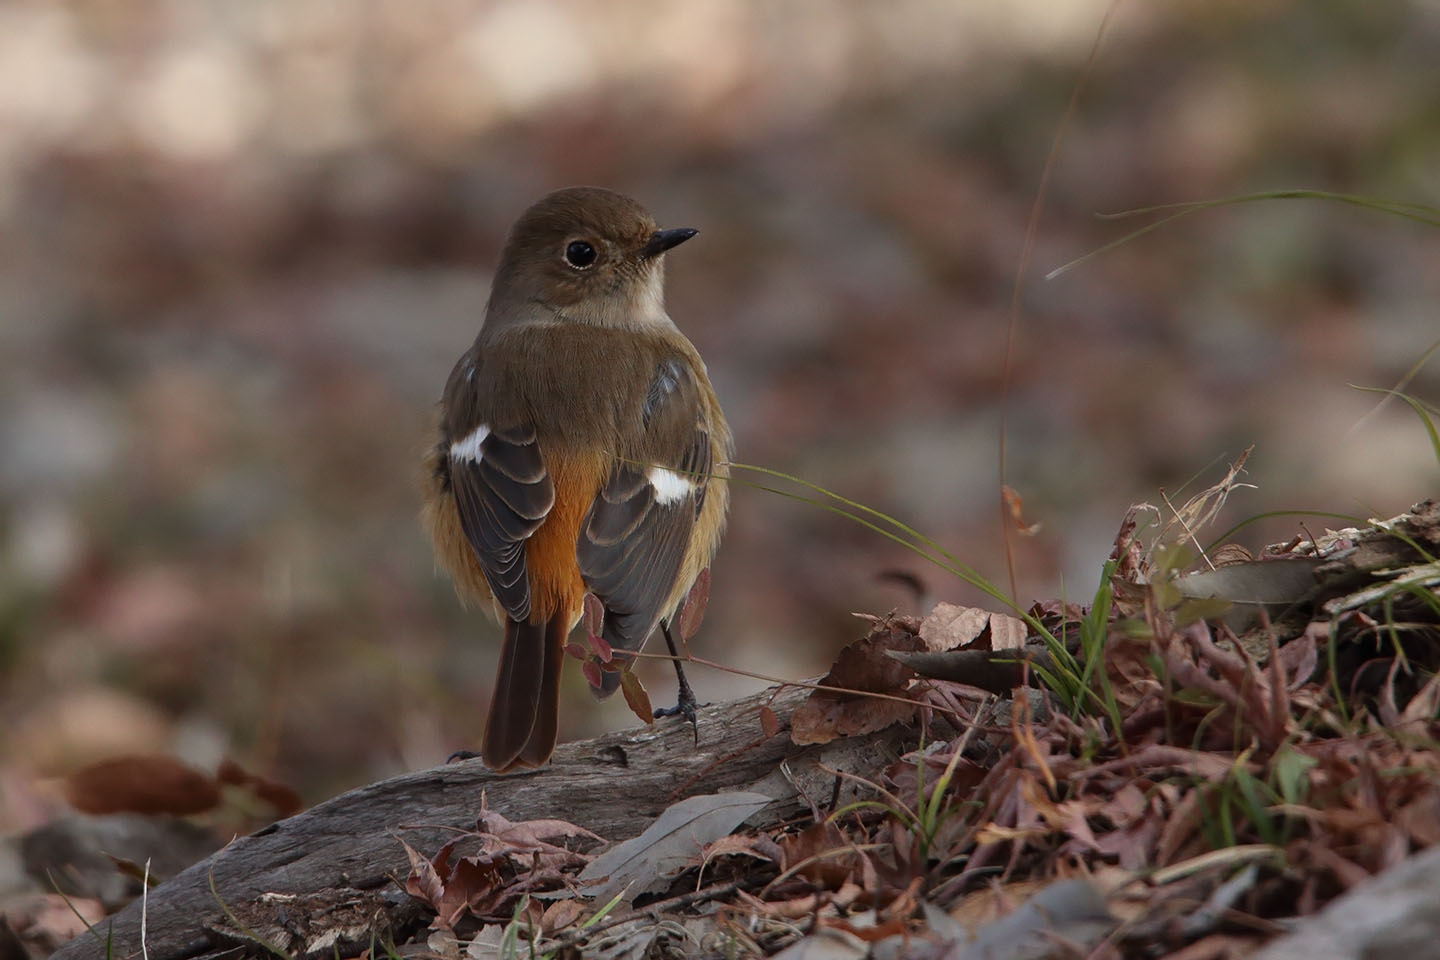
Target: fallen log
<point>331,876</point>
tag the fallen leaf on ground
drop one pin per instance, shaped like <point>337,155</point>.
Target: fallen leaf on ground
<point>141,784</point>
<point>951,627</point>
<point>559,915</point>
<point>674,841</point>
<point>282,797</point>
<point>828,944</point>
<point>527,839</point>
<point>769,723</point>
<point>817,848</point>
<point>51,918</point>
<point>761,848</point>
<point>451,890</point>
<point>1070,910</point>
<point>861,666</point>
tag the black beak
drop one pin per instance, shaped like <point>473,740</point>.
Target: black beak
<point>662,240</point>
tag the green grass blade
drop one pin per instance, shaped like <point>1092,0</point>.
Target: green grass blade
<point>862,508</point>
<point>1255,805</point>
<point>1420,412</point>
<point>860,514</point>
<point>1349,518</point>
<point>1418,212</point>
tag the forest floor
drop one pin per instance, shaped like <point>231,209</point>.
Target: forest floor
<point>1213,748</point>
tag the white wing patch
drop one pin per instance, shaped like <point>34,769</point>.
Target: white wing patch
<point>669,486</point>
<point>469,448</point>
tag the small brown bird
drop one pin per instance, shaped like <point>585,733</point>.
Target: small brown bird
<point>581,449</point>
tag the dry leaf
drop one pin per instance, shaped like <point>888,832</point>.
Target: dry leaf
<point>989,903</point>
<point>600,655</point>
<point>692,612</point>
<point>1007,632</point>
<point>950,626</point>
<point>489,944</point>
<point>761,848</point>
<point>141,784</point>
<point>47,919</point>
<point>559,915</point>
<point>1282,582</point>
<point>636,697</point>
<point>861,666</point>
<point>424,881</point>
<point>1015,507</point>
<point>674,841</point>
<point>283,798</point>
<point>592,616</point>
<point>451,890</point>
<point>828,944</point>
<point>529,834</point>
<point>769,723</point>
<point>828,716</point>
<point>1230,553</point>
<point>1070,910</point>
<point>965,776</point>
<point>814,844</point>
<point>600,647</point>
<point>472,881</point>
<point>443,944</point>
<point>1132,560</point>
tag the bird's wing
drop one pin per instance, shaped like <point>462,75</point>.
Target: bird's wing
<point>503,493</point>
<point>634,539</point>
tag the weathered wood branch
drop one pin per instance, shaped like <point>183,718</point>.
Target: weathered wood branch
<point>328,875</point>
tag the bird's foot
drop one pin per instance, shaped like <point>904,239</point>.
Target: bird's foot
<point>685,706</point>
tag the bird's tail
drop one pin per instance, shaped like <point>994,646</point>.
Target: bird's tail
<point>524,708</point>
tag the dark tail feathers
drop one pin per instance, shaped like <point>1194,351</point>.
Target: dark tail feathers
<point>524,708</point>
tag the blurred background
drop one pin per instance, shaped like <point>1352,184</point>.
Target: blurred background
<point>241,245</point>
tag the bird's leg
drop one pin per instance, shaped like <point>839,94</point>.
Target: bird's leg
<point>685,702</point>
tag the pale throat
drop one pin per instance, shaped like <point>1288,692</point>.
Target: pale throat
<point>638,305</point>
<point>650,299</point>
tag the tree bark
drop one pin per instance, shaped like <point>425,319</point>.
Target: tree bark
<point>330,877</point>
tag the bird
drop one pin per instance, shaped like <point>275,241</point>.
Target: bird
<point>580,449</point>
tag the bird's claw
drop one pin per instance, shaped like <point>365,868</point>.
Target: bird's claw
<point>685,707</point>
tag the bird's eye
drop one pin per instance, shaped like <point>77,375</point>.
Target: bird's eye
<point>579,254</point>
